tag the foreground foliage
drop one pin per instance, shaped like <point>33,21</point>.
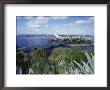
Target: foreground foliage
<point>60,61</point>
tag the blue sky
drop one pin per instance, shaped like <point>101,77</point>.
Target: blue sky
<point>80,25</point>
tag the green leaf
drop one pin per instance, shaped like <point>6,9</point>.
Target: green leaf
<point>81,67</point>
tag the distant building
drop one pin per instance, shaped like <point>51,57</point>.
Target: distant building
<point>57,36</point>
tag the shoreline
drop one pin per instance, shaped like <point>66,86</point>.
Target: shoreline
<point>81,44</point>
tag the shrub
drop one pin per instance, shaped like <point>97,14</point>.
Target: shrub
<point>40,54</point>
<point>87,68</point>
<point>57,54</point>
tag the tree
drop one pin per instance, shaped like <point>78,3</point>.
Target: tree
<point>57,54</point>
<point>40,54</point>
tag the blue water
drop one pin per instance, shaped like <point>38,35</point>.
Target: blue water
<point>87,48</point>
<point>33,42</point>
<point>40,42</point>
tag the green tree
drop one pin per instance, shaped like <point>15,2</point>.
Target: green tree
<point>40,58</point>
<point>57,54</point>
<point>40,54</point>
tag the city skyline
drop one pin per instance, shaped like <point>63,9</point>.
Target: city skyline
<point>69,25</point>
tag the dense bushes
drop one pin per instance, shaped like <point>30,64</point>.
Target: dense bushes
<point>22,62</point>
<point>67,54</point>
<point>40,54</point>
<point>60,61</point>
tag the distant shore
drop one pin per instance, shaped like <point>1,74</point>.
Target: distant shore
<point>81,44</point>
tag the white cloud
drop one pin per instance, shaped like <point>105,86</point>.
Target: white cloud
<point>59,17</point>
<point>34,26</point>
<point>37,22</point>
<point>40,25</point>
<point>80,21</point>
<point>40,21</point>
<point>46,26</point>
<point>68,25</point>
<point>90,20</point>
<point>28,17</point>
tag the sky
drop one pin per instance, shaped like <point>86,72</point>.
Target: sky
<point>69,25</point>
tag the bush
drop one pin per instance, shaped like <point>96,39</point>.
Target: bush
<point>67,54</point>
<point>40,54</point>
<point>58,54</point>
<point>23,60</point>
<point>61,61</point>
<point>19,58</point>
<point>78,56</point>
